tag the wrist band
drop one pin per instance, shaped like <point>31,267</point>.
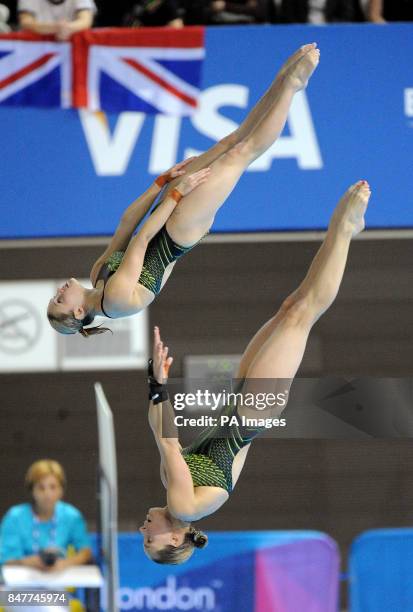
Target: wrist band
<point>176,195</point>
<point>161,180</point>
<point>157,392</point>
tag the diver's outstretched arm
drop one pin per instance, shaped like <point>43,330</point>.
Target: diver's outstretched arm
<point>178,480</point>
<point>160,414</point>
<point>184,501</point>
<point>134,214</point>
<point>120,290</point>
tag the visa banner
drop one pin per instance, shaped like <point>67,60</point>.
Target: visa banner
<point>72,173</point>
<point>264,571</point>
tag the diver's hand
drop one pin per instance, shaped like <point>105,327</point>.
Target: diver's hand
<point>191,181</point>
<point>174,172</point>
<point>161,361</point>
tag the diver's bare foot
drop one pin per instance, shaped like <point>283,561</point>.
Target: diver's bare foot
<point>299,73</point>
<point>349,214</point>
<point>294,58</point>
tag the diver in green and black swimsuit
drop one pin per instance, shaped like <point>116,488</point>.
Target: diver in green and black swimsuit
<point>134,268</point>
<point>200,478</point>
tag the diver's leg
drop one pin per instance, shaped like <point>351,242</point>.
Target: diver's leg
<point>277,349</point>
<point>286,77</point>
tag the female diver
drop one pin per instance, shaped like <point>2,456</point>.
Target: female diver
<point>133,270</point>
<point>199,479</point>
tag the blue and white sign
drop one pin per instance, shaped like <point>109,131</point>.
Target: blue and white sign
<point>65,173</point>
<point>247,571</point>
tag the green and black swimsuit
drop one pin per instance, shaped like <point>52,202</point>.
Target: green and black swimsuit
<point>210,458</point>
<point>161,251</point>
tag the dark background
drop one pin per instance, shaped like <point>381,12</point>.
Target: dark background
<point>214,302</point>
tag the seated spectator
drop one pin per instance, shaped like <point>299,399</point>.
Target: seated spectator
<point>154,13</point>
<point>239,11</point>
<point>289,11</point>
<point>381,11</point>
<point>317,12</point>
<point>222,12</point>
<point>4,17</point>
<point>111,14</point>
<point>344,11</point>
<point>196,12</point>
<point>59,17</point>
<point>37,534</point>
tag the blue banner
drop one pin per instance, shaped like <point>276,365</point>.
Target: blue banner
<point>69,173</point>
<point>265,571</point>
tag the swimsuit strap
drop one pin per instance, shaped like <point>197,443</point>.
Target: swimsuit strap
<point>104,274</point>
<point>101,303</point>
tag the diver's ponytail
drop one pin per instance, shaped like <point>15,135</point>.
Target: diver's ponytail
<point>68,324</point>
<point>199,538</point>
<point>93,331</point>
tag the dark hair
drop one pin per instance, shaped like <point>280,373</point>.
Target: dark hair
<point>174,555</point>
<point>68,324</point>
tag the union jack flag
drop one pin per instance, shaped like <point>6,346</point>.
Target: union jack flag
<point>35,72</point>
<point>152,70</point>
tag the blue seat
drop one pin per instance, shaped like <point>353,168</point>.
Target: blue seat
<point>381,571</point>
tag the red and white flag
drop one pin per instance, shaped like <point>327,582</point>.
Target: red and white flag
<point>152,70</point>
<point>35,71</point>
